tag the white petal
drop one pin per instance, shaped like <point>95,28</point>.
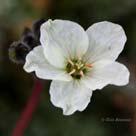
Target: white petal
<point>70,96</point>
<point>112,73</point>
<point>106,41</point>
<point>63,39</point>
<point>36,61</point>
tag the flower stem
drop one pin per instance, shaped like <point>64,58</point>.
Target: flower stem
<point>26,115</point>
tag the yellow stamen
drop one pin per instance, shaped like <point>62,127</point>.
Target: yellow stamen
<point>73,71</point>
<point>70,62</point>
<point>77,66</point>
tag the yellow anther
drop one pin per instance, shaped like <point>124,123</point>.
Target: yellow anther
<point>81,65</point>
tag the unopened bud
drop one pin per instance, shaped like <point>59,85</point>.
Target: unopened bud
<point>18,52</point>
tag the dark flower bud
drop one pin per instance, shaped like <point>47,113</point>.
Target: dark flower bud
<point>36,28</point>
<point>26,31</point>
<point>29,38</point>
<point>18,51</point>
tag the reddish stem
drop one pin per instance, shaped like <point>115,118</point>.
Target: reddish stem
<point>26,115</point>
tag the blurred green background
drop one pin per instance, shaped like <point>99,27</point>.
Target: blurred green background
<point>106,105</point>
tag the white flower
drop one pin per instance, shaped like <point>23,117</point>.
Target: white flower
<point>78,61</point>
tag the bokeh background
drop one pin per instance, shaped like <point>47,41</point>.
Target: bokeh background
<point>107,105</point>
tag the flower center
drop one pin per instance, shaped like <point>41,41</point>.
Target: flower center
<point>77,68</point>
